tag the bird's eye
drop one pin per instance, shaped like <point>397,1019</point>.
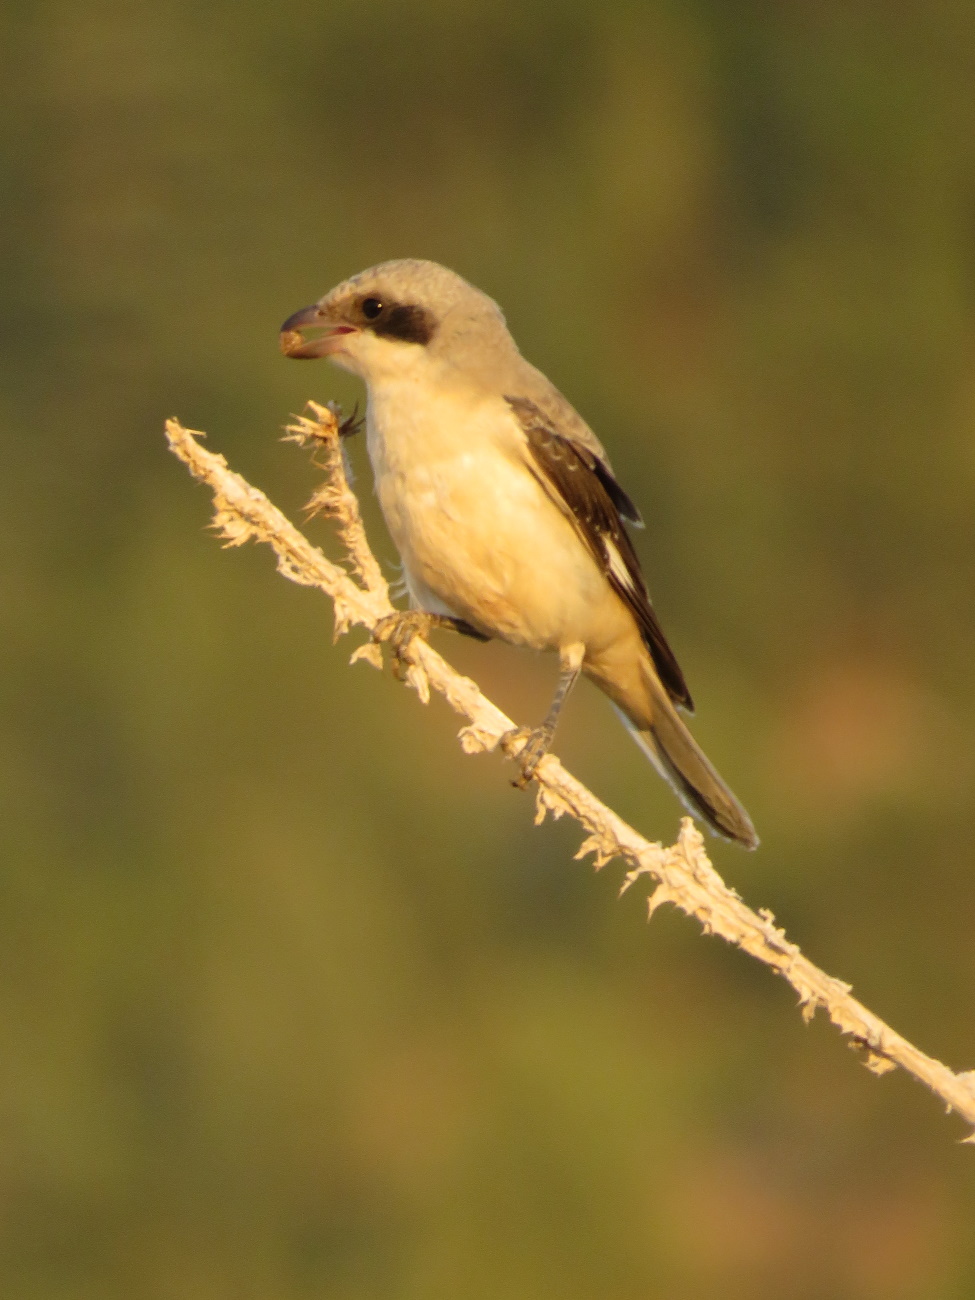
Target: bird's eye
<point>371,308</point>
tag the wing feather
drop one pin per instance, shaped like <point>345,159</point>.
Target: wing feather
<point>583,485</point>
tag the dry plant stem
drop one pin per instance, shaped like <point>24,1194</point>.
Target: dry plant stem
<point>682,874</point>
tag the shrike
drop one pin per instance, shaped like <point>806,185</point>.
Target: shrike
<point>504,507</point>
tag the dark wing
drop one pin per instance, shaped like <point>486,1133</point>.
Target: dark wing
<point>586,489</point>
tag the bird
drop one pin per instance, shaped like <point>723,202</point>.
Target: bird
<point>506,512</point>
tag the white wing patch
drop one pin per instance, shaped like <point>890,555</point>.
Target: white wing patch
<point>617,567</point>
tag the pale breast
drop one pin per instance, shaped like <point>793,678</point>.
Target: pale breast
<point>475,529</point>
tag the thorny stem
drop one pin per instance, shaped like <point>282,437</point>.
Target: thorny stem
<point>682,874</point>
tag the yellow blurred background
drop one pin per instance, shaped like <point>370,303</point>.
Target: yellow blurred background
<point>294,1001</point>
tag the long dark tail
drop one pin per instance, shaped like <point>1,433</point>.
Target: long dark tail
<point>679,758</point>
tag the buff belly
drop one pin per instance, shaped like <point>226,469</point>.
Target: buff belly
<point>478,534</point>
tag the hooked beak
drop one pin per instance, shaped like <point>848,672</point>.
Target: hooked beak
<point>295,345</point>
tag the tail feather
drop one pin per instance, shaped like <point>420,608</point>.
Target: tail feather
<point>678,757</point>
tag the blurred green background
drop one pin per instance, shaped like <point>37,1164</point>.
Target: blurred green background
<point>294,1001</point>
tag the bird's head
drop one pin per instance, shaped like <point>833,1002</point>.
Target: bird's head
<point>400,316</point>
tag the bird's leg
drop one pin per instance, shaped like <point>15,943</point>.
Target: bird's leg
<point>538,740</point>
<point>400,627</point>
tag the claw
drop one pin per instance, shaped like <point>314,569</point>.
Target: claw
<point>402,626</point>
<point>536,745</point>
<point>399,629</point>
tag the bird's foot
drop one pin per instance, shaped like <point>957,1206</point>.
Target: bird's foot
<point>536,745</point>
<point>399,629</point>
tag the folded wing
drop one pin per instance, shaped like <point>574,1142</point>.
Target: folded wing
<point>583,487</point>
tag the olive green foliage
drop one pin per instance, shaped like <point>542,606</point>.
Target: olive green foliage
<point>294,1002</point>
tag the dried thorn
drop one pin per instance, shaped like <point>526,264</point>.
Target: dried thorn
<point>369,652</point>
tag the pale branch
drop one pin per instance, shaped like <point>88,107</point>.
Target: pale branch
<point>682,874</point>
